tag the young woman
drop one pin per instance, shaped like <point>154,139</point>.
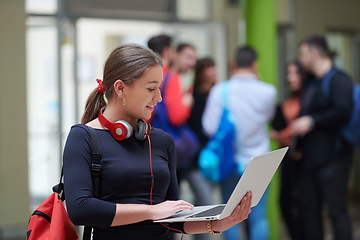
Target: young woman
<point>286,113</point>
<point>204,79</point>
<point>138,170</point>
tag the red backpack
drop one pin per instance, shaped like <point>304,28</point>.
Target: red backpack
<point>50,220</point>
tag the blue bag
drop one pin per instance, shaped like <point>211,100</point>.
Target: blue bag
<point>217,159</point>
<point>351,130</point>
<point>186,143</point>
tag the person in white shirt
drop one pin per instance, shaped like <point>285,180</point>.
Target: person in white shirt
<point>252,104</point>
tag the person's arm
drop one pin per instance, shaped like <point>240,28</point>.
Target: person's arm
<point>178,109</point>
<point>341,98</point>
<point>82,208</point>
<point>133,213</point>
<point>213,111</point>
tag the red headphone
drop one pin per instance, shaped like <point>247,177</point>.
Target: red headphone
<point>122,130</point>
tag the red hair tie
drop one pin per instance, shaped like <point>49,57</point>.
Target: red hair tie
<point>100,87</point>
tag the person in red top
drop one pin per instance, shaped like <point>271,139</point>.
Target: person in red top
<point>181,60</point>
<point>175,109</point>
<point>178,101</point>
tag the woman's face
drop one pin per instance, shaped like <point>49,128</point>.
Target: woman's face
<point>293,78</point>
<point>144,93</point>
<point>210,75</point>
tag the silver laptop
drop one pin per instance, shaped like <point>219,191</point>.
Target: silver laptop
<point>256,179</point>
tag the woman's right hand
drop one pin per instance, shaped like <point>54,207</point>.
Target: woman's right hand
<point>168,208</point>
<point>240,213</point>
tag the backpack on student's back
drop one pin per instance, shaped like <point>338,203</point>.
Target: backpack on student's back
<point>217,159</point>
<point>186,142</point>
<point>351,130</point>
<point>50,220</point>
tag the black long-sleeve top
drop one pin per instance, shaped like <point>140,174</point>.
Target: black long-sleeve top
<point>330,112</point>
<point>124,178</point>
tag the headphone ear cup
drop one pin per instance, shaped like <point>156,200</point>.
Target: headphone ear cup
<point>122,130</point>
<point>142,128</point>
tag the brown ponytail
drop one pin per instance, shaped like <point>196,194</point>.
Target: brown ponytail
<point>93,105</point>
<point>127,62</point>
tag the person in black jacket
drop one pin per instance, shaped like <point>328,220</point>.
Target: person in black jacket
<point>326,156</point>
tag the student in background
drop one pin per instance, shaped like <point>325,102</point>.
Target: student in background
<point>177,101</point>
<point>204,80</point>
<point>285,114</point>
<point>161,44</point>
<point>252,104</point>
<point>176,96</point>
<point>326,156</point>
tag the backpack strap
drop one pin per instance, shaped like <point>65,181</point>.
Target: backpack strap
<point>225,89</point>
<point>95,161</point>
<point>59,188</point>
<point>95,171</point>
<point>327,79</point>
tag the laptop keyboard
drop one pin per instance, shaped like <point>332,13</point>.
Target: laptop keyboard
<point>210,212</point>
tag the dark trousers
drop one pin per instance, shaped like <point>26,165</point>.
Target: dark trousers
<point>326,187</point>
<point>289,197</point>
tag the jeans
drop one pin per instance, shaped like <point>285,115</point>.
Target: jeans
<point>257,221</point>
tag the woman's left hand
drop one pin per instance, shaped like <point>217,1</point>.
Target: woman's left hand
<point>240,213</point>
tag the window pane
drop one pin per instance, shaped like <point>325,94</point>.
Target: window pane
<point>43,107</point>
<point>41,6</point>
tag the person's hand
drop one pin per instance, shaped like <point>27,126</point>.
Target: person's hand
<point>168,208</point>
<point>274,135</point>
<point>302,125</point>
<point>240,213</point>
